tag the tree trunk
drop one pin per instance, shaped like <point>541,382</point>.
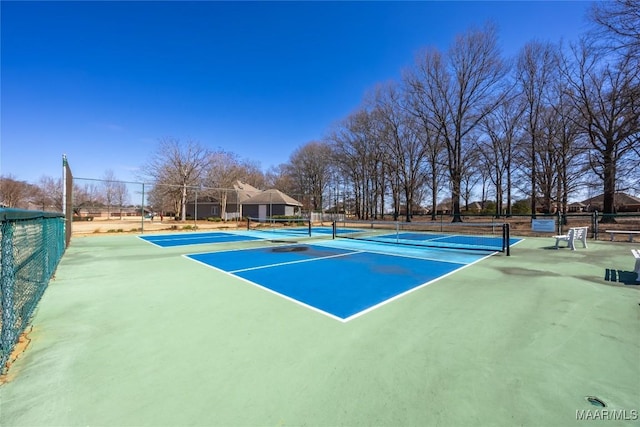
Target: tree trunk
<point>183,203</point>
<point>455,200</point>
<point>409,203</point>
<point>533,179</point>
<point>434,197</point>
<point>608,202</point>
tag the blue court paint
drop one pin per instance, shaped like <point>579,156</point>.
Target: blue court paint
<point>231,261</point>
<point>182,239</point>
<point>339,282</point>
<point>321,230</point>
<point>487,243</point>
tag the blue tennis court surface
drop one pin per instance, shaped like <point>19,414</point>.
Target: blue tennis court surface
<point>201,238</point>
<point>342,281</point>
<point>430,239</point>
<point>182,239</point>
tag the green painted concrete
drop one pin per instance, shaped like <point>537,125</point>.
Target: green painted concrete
<point>128,334</point>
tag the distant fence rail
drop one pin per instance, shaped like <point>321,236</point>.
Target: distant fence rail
<point>521,224</point>
<point>323,217</point>
<point>31,245</point>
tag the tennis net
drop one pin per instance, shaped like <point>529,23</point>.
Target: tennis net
<point>297,226</point>
<point>468,236</point>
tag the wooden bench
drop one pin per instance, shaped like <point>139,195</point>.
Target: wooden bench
<point>636,269</point>
<point>612,233</point>
<point>575,233</point>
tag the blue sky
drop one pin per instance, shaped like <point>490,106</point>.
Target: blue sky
<point>103,82</point>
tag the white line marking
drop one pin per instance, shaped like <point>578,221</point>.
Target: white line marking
<point>295,262</point>
<point>408,291</point>
<point>317,310</point>
<point>148,241</point>
<point>193,238</point>
<point>353,316</point>
<point>398,255</point>
<point>244,249</point>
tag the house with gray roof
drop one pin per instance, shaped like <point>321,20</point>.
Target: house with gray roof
<point>211,202</point>
<point>243,200</point>
<point>270,203</point>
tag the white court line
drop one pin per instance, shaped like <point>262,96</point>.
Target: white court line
<point>210,238</point>
<point>288,298</point>
<point>245,249</point>
<point>194,237</point>
<point>408,291</point>
<point>147,238</point>
<point>295,262</point>
<point>416,257</point>
<point>401,255</point>
<point>149,241</point>
<point>353,316</point>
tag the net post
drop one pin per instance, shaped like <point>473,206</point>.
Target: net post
<point>309,225</point>
<point>333,229</point>
<point>398,231</point>
<point>248,223</point>
<point>67,199</point>
<point>507,239</point>
<point>142,212</point>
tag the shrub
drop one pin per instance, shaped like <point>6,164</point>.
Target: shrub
<point>521,207</point>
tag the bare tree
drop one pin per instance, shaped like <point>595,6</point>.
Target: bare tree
<point>501,129</point>
<point>277,177</point>
<point>224,169</point>
<point>430,133</point>
<point>109,182</point>
<point>48,194</point>
<point>14,193</point>
<point>461,90</point>
<point>177,168</point>
<point>252,173</point>
<point>473,173</point>
<point>351,144</point>
<point>114,191</point>
<point>120,195</point>
<point>402,141</point>
<point>606,94</point>
<point>547,159</point>
<point>435,165</point>
<point>537,68</point>
<point>619,19</point>
<point>569,146</point>
<point>88,195</point>
<point>360,157</point>
<point>310,165</point>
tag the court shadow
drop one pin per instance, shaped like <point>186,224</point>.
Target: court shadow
<point>621,276</point>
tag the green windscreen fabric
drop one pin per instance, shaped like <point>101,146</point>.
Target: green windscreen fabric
<point>31,245</point>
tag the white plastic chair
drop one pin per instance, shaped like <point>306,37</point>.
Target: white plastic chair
<point>575,233</point>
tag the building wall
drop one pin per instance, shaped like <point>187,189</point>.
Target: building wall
<point>250,211</point>
<point>253,211</point>
<point>209,210</point>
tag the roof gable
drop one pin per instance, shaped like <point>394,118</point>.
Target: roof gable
<point>621,199</point>
<point>272,196</point>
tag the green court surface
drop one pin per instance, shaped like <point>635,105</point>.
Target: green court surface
<point>129,334</point>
